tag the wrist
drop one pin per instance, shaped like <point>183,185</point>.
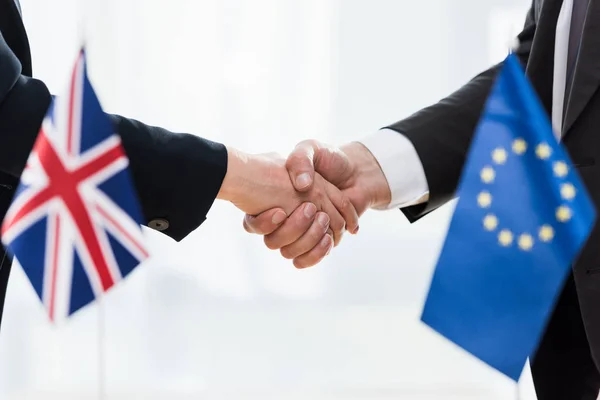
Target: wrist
<point>235,179</point>
<point>257,182</point>
<point>369,175</point>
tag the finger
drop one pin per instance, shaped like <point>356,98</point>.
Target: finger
<point>293,228</point>
<point>315,256</point>
<point>345,207</point>
<point>266,222</point>
<point>310,239</point>
<point>300,165</point>
<point>336,221</point>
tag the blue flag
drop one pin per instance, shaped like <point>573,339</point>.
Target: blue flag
<point>522,217</point>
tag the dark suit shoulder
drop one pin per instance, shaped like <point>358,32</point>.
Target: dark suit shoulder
<point>14,34</point>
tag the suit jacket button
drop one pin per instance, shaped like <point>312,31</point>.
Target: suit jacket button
<point>159,224</point>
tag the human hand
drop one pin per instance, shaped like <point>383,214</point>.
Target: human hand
<point>255,183</point>
<point>306,242</point>
<point>351,168</point>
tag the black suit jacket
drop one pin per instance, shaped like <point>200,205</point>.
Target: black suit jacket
<point>177,176</point>
<point>441,134</point>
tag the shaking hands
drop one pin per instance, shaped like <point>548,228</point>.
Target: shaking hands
<point>303,205</point>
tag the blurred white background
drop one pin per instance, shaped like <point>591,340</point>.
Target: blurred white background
<point>218,316</point>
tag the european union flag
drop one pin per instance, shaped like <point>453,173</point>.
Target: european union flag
<point>522,217</point>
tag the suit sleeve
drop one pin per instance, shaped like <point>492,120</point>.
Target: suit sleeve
<point>177,176</point>
<point>441,134</point>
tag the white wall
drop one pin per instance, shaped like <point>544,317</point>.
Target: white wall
<point>218,316</point>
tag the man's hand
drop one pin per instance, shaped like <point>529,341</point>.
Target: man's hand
<point>255,183</point>
<point>352,168</point>
<point>305,242</point>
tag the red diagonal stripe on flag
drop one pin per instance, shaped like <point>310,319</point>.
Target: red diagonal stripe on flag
<point>65,185</point>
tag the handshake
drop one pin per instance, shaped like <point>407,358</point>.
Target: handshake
<point>304,204</point>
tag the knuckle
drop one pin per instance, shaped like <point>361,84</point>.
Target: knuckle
<point>337,224</point>
<point>315,234</point>
<point>318,193</point>
<point>271,243</point>
<point>313,259</point>
<point>300,223</point>
<point>287,253</point>
<point>346,204</point>
<point>302,263</point>
<point>296,159</point>
<point>255,227</point>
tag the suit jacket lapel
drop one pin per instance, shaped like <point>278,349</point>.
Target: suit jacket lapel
<point>587,70</point>
<point>540,67</point>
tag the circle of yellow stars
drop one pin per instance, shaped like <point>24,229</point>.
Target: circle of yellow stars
<point>545,234</point>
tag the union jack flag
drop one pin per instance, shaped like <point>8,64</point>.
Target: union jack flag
<point>74,224</point>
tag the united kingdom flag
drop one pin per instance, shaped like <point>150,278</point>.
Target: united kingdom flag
<point>74,224</point>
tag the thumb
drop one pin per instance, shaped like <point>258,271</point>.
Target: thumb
<point>266,222</point>
<point>300,165</point>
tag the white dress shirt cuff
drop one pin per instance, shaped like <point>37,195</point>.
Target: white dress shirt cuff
<point>401,166</point>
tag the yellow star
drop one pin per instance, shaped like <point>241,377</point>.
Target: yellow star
<point>519,146</point>
<point>499,156</point>
<point>525,241</point>
<point>563,213</point>
<point>543,151</point>
<point>490,222</point>
<point>488,174</point>
<point>560,169</point>
<point>505,237</point>
<point>567,191</point>
<point>546,233</point>
<point>484,199</point>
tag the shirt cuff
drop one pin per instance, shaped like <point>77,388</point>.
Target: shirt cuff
<point>401,166</point>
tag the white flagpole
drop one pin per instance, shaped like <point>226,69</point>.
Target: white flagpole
<point>101,350</point>
<point>101,340</point>
<point>513,42</point>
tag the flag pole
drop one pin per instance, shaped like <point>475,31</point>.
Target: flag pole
<point>101,350</point>
<point>512,43</point>
<point>101,343</point>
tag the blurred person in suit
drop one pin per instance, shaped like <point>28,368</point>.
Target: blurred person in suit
<point>415,165</point>
<point>177,176</point>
